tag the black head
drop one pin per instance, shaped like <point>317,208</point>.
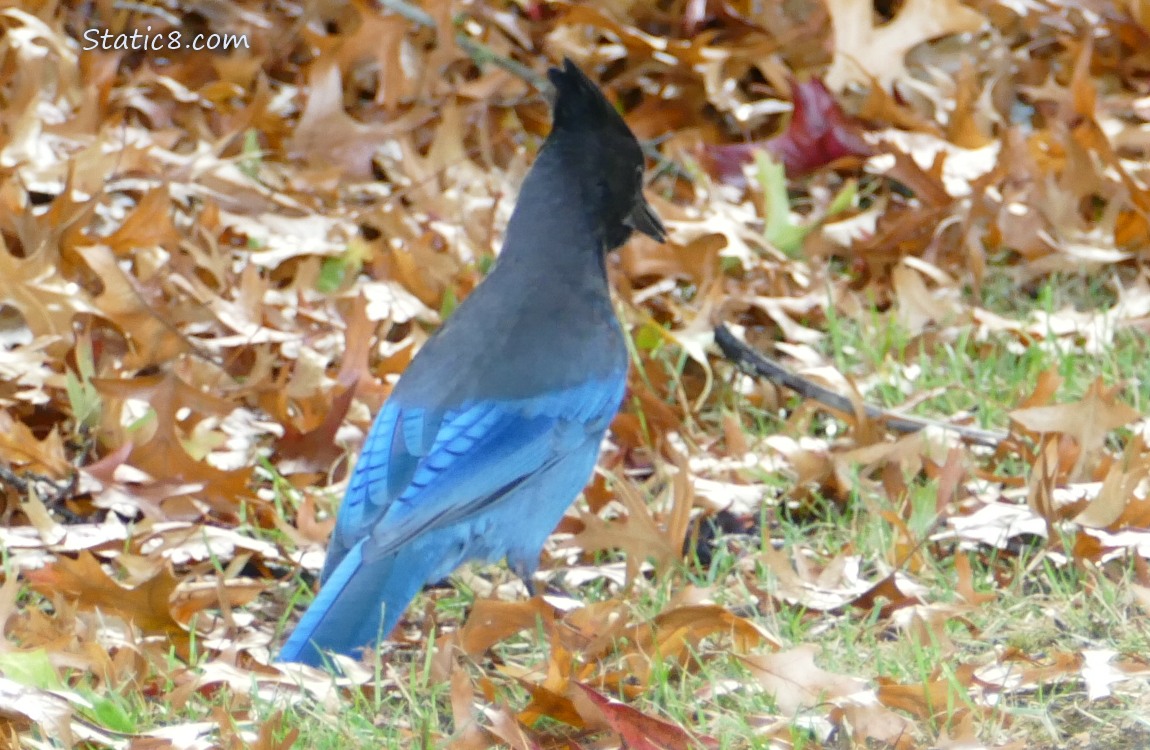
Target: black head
<point>604,155</point>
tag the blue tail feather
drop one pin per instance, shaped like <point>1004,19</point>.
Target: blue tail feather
<point>357,605</point>
<point>496,423</point>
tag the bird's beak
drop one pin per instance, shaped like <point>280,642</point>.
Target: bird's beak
<point>644,219</point>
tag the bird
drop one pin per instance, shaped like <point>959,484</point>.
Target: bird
<point>496,424</point>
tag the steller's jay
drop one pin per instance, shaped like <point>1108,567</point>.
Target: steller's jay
<point>496,425</point>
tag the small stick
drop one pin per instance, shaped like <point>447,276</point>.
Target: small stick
<point>754,363</point>
<point>481,54</point>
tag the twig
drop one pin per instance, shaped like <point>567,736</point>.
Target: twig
<point>756,364</point>
<point>410,12</point>
<point>479,52</point>
<point>148,9</point>
<point>481,55</point>
<point>51,492</point>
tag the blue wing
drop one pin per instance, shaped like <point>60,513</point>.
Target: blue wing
<point>435,488</point>
<point>422,468</point>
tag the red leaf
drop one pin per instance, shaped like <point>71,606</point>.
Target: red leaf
<point>638,731</point>
<point>819,133</point>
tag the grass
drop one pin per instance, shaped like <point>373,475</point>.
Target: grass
<point>1041,608</point>
<point>1045,607</point>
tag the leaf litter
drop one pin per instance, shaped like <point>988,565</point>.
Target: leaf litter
<point>214,265</point>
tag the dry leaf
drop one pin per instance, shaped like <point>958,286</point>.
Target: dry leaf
<point>866,52</point>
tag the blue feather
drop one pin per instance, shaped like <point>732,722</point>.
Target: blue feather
<point>491,467</point>
<point>496,424</point>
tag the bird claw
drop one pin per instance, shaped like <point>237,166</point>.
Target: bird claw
<point>526,574</point>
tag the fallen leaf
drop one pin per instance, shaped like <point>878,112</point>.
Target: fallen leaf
<point>148,605</point>
<point>865,52</point>
<point>1088,421</point>
<point>818,133</point>
<point>638,730</point>
<point>795,682</point>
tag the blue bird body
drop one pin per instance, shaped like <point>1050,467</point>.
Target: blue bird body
<point>496,425</point>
